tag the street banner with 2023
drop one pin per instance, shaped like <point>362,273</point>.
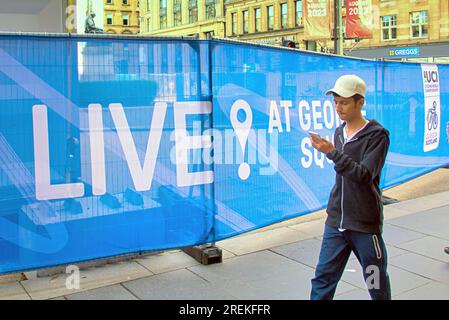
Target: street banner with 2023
<point>317,19</point>
<point>359,19</point>
<point>112,145</point>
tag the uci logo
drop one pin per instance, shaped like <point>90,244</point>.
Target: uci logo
<point>432,117</point>
<point>431,76</point>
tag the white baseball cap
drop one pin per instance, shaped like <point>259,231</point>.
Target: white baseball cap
<point>348,85</point>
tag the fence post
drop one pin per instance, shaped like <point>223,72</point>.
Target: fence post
<point>208,253</point>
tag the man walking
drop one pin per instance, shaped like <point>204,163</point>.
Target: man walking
<point>355,212</point>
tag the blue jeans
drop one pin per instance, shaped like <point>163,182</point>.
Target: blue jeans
<point>335,251</point>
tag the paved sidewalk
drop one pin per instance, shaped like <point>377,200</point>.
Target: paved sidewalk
<point>276,262</point>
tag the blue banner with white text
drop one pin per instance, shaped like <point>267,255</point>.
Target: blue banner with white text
<point>110,145</point>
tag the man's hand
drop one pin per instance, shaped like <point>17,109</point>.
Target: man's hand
<point>322,144</point>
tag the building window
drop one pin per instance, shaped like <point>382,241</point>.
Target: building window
<point>389,27</point>
<point>257,19</point>
<point>177,13</point>
<point>163,22</point>
<point>419,24</point>
<point>148,24</point>
<point>284,15</point>
<point>163,6</point>
<point>125,19</point>
<point>108,1</point>
<point>193,15</point>
<point>163,14</point>
<point>270,17</point>
<point>125,2</point>
<point>234,23</point>
<point>210,9</point>
<point>245,21</point>
<point>109,18</point>
<point>193,11</point>
<point>298,14</point>
<point>178,18</point>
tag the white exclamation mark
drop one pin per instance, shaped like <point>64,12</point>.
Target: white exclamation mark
<point>242,131</point>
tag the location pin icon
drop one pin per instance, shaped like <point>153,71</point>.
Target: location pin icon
<point>242,129</point>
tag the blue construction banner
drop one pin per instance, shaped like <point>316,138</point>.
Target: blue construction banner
<point>117,145</point>
<point>281,93</point>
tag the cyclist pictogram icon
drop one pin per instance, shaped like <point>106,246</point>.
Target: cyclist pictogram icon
<point>432,117</point>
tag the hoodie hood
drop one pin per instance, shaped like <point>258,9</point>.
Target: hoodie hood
<point>373,127</point>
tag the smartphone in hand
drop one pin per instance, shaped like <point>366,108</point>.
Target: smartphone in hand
<point>314,135</point>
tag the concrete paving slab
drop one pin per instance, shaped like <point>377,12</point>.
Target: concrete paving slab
<point>13,291</point>
<point>343,287</point>
<point>240,290</point>
<point>314,228</point>
<point>429,183</point>
<point>259,241</point>
<point>167,261</point>
<point>295,285</point>
<point>443,195</point>
<point>317,215</point>
<point>226,254</point>
<point>116,292</point>
<point>356,294</point>
<point>394,235</point>
<point>400,208</point>
<point>306,251</point>
<point>392,212</point>
<point>51,287</point>
<point>423,266</point>
<point>288,286</point>
<point>432,222</point>
<point>421,204</point>
<point>428,246</point>
<point>262,275</point>
<point>250,267</point>
<point>12,277</point>
<point>430,291</point>
<point>176,285</point>
<point>402,281</point>
<point>393,251</point>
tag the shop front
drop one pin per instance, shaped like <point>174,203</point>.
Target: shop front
<point>436,53</point>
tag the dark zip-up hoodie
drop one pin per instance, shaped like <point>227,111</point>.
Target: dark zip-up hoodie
<point>355,200</point>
